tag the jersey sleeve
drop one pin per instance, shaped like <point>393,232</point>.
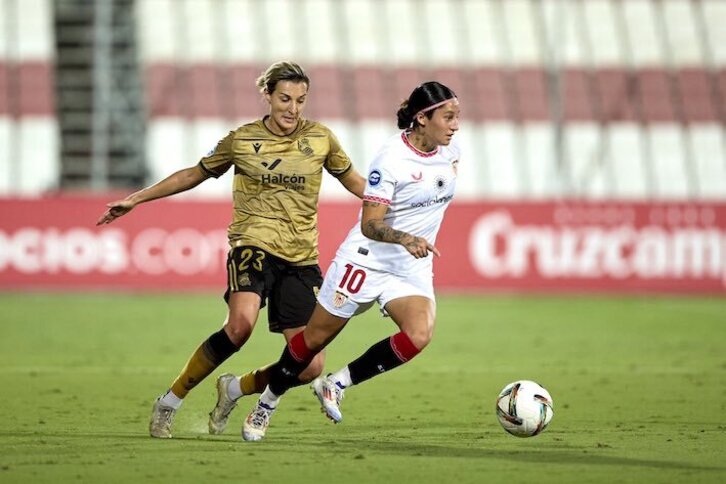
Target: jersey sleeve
<point>218,161</point>
<point>381,181</point>
<point>337,162</point>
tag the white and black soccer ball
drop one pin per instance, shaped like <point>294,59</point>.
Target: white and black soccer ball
<point>524,408</point>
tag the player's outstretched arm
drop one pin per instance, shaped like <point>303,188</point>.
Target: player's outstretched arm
<point>373,227</point>
<point>354,182</point>
<point>177,182</point>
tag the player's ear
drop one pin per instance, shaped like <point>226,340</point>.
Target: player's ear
<point>421,119</point>
<point>268,96</point>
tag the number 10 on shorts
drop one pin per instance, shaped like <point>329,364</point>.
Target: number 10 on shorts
<point>352,279</point>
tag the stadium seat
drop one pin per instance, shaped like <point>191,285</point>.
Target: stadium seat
<point>322,46</point>
<point>327,92</point>
<point>503,166</point>
<point>627,143</point>
<point>363,21</point>
<point>371,96</point>
<point>709,151</point>
<point>673,177</point>
<point>487,99</point>
<point>589,155</point>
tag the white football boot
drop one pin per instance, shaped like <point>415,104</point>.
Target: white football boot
<point>257,422</point>
<point>330,395</point>
<point>161,419</point>
<point>219,415</point>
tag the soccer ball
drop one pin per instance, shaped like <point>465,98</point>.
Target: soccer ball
<point>524,408</point>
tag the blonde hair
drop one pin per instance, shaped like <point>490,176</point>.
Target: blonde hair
<point>281,71</point>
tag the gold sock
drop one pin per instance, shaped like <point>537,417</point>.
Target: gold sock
<point>197,369</point>
<point>255,381</point>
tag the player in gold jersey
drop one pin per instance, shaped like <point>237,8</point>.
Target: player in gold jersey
<point>278,167</point>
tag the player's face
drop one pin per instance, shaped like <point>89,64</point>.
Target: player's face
<point>443,124</point>
<point>287,102</point>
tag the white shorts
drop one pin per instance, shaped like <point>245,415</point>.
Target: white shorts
<point>349,289</point>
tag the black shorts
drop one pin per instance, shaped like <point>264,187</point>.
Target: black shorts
<point>290,290</point>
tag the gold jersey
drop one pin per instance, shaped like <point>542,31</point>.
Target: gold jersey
<point>276,185</point>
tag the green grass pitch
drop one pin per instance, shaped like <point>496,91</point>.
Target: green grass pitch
<point>639,389</point>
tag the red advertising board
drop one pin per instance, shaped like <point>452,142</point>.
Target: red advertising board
<point>586,247</point>
<point>609,246</point>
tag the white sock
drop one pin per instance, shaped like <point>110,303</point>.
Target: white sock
<point>234,391</point>
<point>269,398</point>
<point>171,400</point>
<point>342,377</point>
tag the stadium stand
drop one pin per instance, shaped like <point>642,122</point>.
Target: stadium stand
<point>586,99</point>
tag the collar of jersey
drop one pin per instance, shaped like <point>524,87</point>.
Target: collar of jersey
<point>404,137</point>
<point>297,128</point>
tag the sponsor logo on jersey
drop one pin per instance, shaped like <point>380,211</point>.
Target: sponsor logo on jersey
<point>281,179</point>
<point>374,178</point>
<point>339,299</point>
<point>271,165</point>
<point>304,146</point>
<point>432,201</point>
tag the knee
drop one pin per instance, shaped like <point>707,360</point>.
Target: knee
<point>238,329</point>
<point>314,369</point>
<point>315,340</point>
<point>421,336</point>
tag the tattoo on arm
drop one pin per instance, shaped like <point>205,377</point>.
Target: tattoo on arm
<point>381,231</point>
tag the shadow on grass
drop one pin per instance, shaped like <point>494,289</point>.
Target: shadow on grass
<point>542,455</point>
<point>89,439</point>
<point>304,441</point>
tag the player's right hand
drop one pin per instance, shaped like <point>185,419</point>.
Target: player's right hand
<point>115,210</point>
<point>419,248</point>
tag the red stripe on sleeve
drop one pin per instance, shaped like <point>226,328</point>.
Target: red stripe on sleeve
<point>369,198</point>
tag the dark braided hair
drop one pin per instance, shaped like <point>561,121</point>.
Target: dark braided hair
<point>424,96</point>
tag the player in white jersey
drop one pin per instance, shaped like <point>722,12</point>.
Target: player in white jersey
<point>416,187</point>
<point>387,257</point>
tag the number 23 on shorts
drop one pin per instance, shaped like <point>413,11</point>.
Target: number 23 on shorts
<point>256,256</point>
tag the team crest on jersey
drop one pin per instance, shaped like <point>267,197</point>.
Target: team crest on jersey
<point>304,146</point>
<point>244,280</point>
<point>440,182</point>
<point>339,299</point>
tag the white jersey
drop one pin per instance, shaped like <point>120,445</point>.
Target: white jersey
<point>417,187</point>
